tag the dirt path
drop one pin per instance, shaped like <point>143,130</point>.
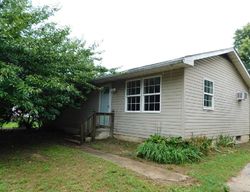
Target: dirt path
<point>241,183</point>
<point>155,173</point>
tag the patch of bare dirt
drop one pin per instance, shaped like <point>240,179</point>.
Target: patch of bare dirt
<point>39,157</point>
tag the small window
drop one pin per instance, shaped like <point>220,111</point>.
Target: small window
<point>151,94</point>
<point>133,95</point>
<point>208,100</point>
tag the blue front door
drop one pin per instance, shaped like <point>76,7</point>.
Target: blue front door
<point>104,105</point>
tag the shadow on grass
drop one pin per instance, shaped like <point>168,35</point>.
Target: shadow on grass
<point>12,140</point>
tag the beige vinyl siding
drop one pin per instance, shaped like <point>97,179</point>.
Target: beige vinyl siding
<point>229,116</point>
<point>143,124</point>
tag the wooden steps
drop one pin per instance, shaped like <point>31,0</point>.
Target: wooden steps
<point>75,141</point>
<point>91,129</point>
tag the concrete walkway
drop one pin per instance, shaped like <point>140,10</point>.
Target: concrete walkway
<point>155,173</point>
<point>241,183</point>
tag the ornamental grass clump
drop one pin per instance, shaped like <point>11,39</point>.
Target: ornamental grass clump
<point>225,141</point>
<point>203,143</point>
<point>173,150</point>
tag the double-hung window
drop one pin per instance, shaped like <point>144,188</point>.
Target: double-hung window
<point>208,101</point>
<point>151,94</point>
<point>133,95</point>
<point>143,95</point>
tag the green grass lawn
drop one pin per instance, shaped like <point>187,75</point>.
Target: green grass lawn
<point>44,163</point>
<point>35,164</point>
<point>214,171</point>
<point>61,168</point>
<point>211,174</point>
<point>10,125</point>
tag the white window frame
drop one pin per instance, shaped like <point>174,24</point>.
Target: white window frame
<point>142,94</point>
<point>205,93</point>
<point>126,96</point>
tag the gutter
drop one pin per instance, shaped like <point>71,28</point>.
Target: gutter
<point>148,69</point>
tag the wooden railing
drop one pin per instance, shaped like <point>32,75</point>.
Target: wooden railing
<point>95,121</point>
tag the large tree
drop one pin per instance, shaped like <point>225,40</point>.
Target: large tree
<point>42,69</point>
<point>242,44</point>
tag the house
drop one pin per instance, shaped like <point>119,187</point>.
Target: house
<point>201,94</point>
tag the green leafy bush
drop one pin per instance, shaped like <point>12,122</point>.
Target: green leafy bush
<point>203,143</point>
<point>174,150</point>
<point>225,141</point>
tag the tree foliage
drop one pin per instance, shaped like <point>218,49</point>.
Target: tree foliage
<point>42,69</point>
<point>242,44</point>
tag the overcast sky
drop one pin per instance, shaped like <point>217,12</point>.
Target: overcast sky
<point>138,32</point>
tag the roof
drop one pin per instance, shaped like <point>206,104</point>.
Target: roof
<point>186,61</point>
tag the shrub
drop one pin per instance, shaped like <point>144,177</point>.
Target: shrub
<point>225,141</point>
<point>174,150</point>
<point>203,143</point>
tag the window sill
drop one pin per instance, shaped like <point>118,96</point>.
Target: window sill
<point>208,109</point>
<point>152,112</point>
<point>132,111</point>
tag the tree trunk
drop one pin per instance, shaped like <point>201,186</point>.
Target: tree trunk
<point>28,126</point>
